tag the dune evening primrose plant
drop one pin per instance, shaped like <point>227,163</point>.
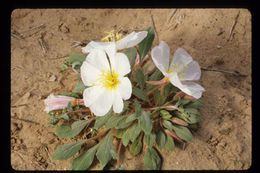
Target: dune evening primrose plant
<point>128,96</point>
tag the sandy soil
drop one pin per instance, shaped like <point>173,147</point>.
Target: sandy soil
<point>224,137</point>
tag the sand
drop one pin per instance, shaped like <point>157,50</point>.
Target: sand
<point>224,138</point>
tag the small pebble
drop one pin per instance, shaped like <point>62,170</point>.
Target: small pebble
<point>52,78</point>
<point>218,46</point>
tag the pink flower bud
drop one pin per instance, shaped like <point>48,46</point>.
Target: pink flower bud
<point>59,102</point>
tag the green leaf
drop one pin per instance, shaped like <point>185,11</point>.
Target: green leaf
<point>152,160</point>
<point>131,54</point>
<point>112,121</point>
<point>191,115</point>
<point>122,123</point>
<point>140,94</point>
<point>146,44</point>
<point>79,88</point>
<point>70,94</point>
<point>182,102</point>
<point>160,139</point>
<point>197,104</point>
<point>149,139</point>
<point>183,132</point>
<point>104,151</point>
<point>66,151</point>
<point>136,146</point>
<point>126,137</point>
<point>139,76</point>
<point>76,65</point>
<point>167,124</point>
<point>69,107</point>
<point>113,154</point>
<point>169,144</point>
<point>100,121</point>
<point>126,106</point>
<point>77,58</point>
<point>165,114</point>
<point>137,108</point>
<point>131,118</point>
<point>120,133</point>
<point>145,122</point>
<point>158,99</point>
<point>66,132</point>
<point>83,161</point>
<point>135,130</point>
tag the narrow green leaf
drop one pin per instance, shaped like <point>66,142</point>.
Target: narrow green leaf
<point>146,44</point>
<point>145,122</point>
<point>152,160</point>
<point>160,139</point>
<point>126,137</point>
<point>79,88</point>
<point>100,121</point>
<point>136,146</point>
<point>70,94</point>
<point>66,151</point>
<point>158,99</point>
<point>65,131</point>
<point>169,144</point>
<point>137,108</point>
<point>104,151</point>
<point>140,94</point>
<point>83,161</point>
<point>183,132</point>
<point>149,139</point>
<point>167,124</point>
<point>131,54</point>
<point>69,107</point>
<point>139,76</point>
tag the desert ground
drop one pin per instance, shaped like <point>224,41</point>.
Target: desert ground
<point>215,38</point>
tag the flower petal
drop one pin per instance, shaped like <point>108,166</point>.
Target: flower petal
<point>94,45</point>
<point>125,88</point>
<point>90,95</point>
<point>190,88</point>
<point>98,59</point>
<point>160,56</point>
<point>118,104</point>
<point>181,57</point>
<point>103,103</point>
<point>192,72</point>
<point>131,40</point>
<point>89,73</point>
<point>121,64</point>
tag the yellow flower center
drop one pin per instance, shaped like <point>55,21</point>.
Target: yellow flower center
<point>178,69</point>
<point>109,80</point>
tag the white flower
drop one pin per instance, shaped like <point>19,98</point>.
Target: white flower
<point>181,71</point>
<point>108,86</point>
<point>126,42</point>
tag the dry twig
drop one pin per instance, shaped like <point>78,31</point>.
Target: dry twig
<point>28,121</point>
<point>233,26</point>
<point>224,71</point>
<point>173,13</point>
<point>156,34</point>
<point>59,57</point>
<point>43,44</point>
<point>41,26</point>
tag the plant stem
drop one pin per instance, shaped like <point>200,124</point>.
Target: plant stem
<point>118,153</point>
<point>78,111</point>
